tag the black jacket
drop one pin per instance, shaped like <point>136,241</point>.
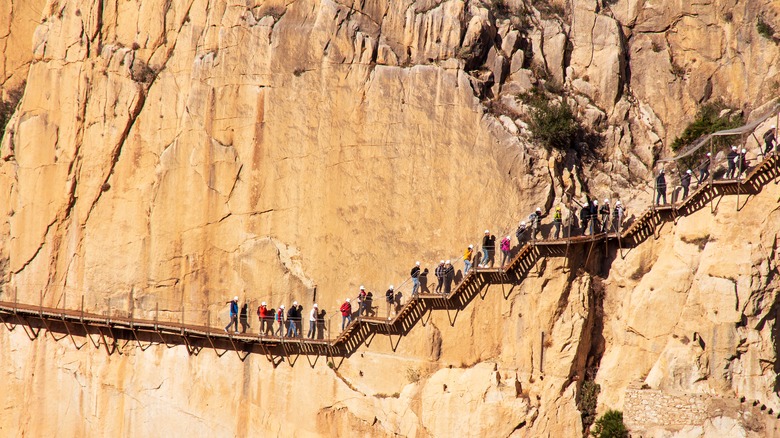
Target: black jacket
<point>415,272</point>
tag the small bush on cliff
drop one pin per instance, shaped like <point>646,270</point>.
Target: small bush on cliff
<point>587,399</point>
<point>553,123</point>
<point>8,106</point>
<point>610,425</point>
<point>764,29</point>
<point>708,119</point>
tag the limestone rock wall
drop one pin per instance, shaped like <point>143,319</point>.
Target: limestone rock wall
<point>168,155</point>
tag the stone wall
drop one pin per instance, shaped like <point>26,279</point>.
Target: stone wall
<point>653,407</point>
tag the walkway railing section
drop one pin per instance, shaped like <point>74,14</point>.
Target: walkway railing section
<point>109,331</point>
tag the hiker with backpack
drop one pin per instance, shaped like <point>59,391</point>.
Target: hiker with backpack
<point>439,272</point>
<point>313,321</point>
<point>557,221</point>
<point>535,219</point>
<point>279,319</point>
<point>467,255</point>
<point>488,246</point>
<point>521,234</point>
<point>415,274</point>
<point>769,139</point>
<point>660,187</point>
<point>604,212</point>
<point>293,321</point>
<point>360,298</point>
<point>506,245</point>
<point>264,318</point>
<point>594,217</point>
<point>731,160</point>
<point>424,281</point>
<point>618,213</point>
<point>585,215</point>
<point>390,299</point>
<point>346,314</point>
<point>233,314</point>
<point>449,275</point>
<point>685,182</point>
<point>704,168</point>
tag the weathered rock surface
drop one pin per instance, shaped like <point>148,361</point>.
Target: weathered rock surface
<point>168,155</point>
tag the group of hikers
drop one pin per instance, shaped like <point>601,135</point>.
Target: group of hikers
<point>593,219</point>
<point>736,162</point>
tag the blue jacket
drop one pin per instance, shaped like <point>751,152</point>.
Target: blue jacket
<point>233,308</point>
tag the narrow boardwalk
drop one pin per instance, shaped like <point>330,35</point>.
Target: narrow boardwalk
<point>114,333</point>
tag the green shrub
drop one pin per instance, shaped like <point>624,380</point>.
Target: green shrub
<point>610,425</point>
<point>8,106</point>
<point>587,399</point>
<point>553,123</point>
<point>764,29</point>
<point>708,120</point>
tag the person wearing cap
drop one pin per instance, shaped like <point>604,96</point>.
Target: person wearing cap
<point>439,273</point>
<point>557,221</point>
<point>604,211</point>
<point>488,246</point>
<point>449,275</point>
<point>521,234</point>
<point>360,298</point>
<point>233,314</point>
<point>313,321</point>
<point>660,187</point>
<point>594,217</point>
<point>293,320</point>
<point>704,168</point>
<point>346,314</point>
<point>685,182</point>
<point>262,316</point>
<point>467,255</point>
<point>390,299</point>
<point>415,274</point>
<point>731,160</point>
<point>742,163</point>
<point>617,216</point>
<point>243,317</point>
<point>535,219</point>
<point>506,246</point>
<point>279,318</point>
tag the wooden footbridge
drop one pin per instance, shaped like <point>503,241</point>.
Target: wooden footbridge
<point>116,333</point>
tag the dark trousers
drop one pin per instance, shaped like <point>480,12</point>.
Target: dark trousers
<point>661,194</point>
<point>703,175</point>
<point>233,321</point>
<point>441,283</point>
<point>685,192</point>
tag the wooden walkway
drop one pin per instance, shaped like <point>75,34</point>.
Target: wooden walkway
<point>114,334</point>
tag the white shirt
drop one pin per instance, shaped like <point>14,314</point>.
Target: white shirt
<point>313,315</point>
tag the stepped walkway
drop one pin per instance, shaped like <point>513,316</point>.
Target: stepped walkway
<point>115,333</point>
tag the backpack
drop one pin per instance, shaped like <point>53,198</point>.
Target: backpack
<point>279,315</point>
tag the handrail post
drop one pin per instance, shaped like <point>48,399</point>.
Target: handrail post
<point>82,309</point>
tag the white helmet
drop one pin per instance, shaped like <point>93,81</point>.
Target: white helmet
<point>295,303</point>
<point>595,202</point>
<point>418,263</point>
<point>362,287</point>
<point>391,287</point>
<point>522,224</point>
<point>447,262</point>
<point>347,299</point>
<point>487,231</point>
<point>263,303</point>
<point>688,171</point>
<point>235,298</point>
<point>471,246</point>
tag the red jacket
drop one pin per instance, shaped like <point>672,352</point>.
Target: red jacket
<point>262,312</point>
<point>346,309</point>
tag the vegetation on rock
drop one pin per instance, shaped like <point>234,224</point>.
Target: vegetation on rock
<point>711,117</point>
<point>8,106</point>
<point>610,425</point>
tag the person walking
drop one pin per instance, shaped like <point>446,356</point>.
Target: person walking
<point>660,187</point>
<point>731,159</point>
<point>585,215</point>
<point>594,217</point>
<point>368,304</point>
<point>685,182</point>
<point>488,246</point>
<point>415,274</point>
<point>521,234</point>
<point>704,168</point>
<point>742,163</point>
<point>262,317</point>
<point>449,275</point>
<point>244,317</point>
<point>506,245</point>
<point>313,321</point>
<point>390,299</point>
<point>467,255</point>
<point>604,211</point>
<point>617,216</point>
<point>279,318</point>
<point>557,221</point>
<point>292,320</point>
<point>346,314</point>
<point>535,219</point>
<point>361,296</point>
<point>233,314</point>
<point>439,272</point>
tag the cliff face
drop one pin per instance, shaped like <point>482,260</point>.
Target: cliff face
<point>166,156</point>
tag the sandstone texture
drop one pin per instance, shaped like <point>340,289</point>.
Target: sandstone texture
<point>167,155</point>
